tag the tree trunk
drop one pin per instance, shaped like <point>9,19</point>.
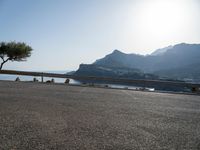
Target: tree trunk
<point>1,66</point>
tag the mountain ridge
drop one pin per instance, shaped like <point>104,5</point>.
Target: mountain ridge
<point>176,59</point>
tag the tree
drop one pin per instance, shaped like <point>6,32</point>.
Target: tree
<point>14,51</point>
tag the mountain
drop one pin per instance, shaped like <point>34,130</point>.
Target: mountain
<point>115,65</point>
<point>119,59</point>
<point>191,71</point>
<point>114,72</point>
<point>161,51</point>
<point>179,56</point>
<point>178,61</point>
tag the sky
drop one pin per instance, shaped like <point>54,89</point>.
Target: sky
<point>66,33</point>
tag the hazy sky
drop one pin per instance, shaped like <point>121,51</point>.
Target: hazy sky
<point>65,33</point>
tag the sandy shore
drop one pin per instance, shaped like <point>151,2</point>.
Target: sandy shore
<point>52,116</point>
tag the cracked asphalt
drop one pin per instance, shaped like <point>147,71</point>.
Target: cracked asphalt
<point>35,116</point>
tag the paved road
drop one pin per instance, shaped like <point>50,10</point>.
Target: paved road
<point>46,116</point>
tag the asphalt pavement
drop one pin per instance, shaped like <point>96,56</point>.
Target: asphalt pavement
<point>36,116</point>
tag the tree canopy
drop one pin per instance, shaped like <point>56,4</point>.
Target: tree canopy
<point>14,51</point>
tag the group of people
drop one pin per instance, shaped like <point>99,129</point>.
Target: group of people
<point>48,81</point>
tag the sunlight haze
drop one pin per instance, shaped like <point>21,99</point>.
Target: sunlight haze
<point>66,33</point>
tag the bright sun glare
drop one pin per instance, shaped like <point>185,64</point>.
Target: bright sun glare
<point>162,17</point>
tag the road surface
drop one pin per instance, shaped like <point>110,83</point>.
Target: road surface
<point>52,116</point>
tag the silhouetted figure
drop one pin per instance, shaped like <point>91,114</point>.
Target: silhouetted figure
<point>48,81</point>
<point>17,79</point>
<point>67,81</point>
<point>35,80</point>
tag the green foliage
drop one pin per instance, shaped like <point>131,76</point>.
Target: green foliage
<point>14,51</point>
